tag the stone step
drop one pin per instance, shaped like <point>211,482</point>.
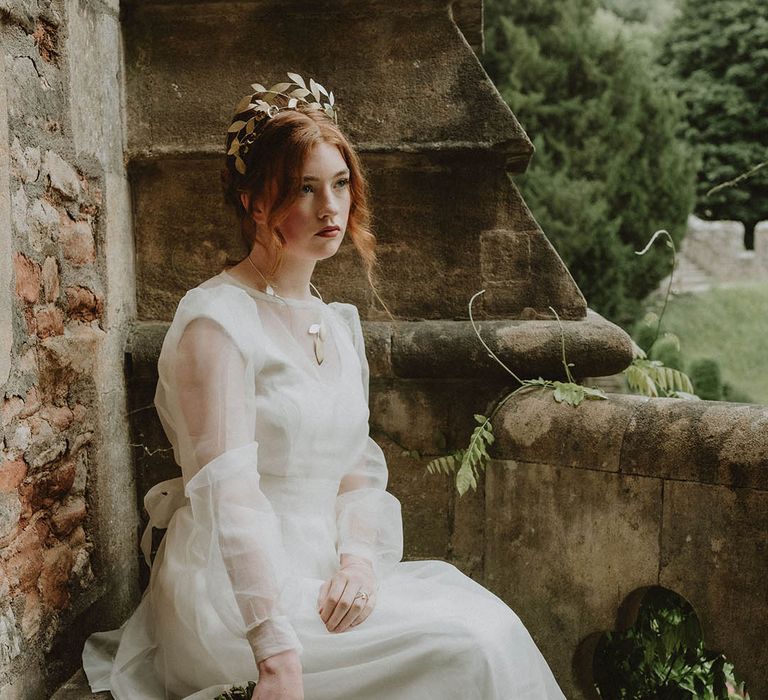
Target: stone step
<point>76,688</point>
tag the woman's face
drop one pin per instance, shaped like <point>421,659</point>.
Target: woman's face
<point>323,201</point>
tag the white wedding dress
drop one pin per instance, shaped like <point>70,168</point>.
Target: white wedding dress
<point>279,478</point>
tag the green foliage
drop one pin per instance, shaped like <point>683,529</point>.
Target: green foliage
<point>718,52</point>
<point>662,657</point>
<point>608,165</point>
<point>237,692</point>
<point>667,351</point>
<point>646,331</point>
<point>707,379</point>
<point>652,378</point>
<point>469,462</point>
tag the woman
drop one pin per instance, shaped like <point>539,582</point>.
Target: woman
<point>282,557</point>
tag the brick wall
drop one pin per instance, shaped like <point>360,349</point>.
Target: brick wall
<point>64,242</point>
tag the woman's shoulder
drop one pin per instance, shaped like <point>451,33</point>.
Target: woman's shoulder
<point>347,311</point>
<point>215,293</point>
<point>225,304</point>
<point>350,315</point>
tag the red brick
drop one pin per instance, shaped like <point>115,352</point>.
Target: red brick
<point>50,321</point>
<point>77,539</point>
<point>83,304</point>
<point>12,473</point>
<point>25,560</point>
<point>27,278</point>
<point>60,417</point>
<point>30,320</point>
<point>68,516</point>
<point>31,403</point>
<point>57,566</point>
<point>76,240</point>
<point>46,36</point>
<point>50,279</point>
<point>43,489</point>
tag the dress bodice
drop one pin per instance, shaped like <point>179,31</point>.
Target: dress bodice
<point>312,419</point>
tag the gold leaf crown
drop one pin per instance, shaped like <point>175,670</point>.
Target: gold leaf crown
<point>262,106</point>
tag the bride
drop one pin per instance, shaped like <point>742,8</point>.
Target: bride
<point>281,562</point>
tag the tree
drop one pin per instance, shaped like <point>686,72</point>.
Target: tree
<point>718,51</point>
<point>609,168</point>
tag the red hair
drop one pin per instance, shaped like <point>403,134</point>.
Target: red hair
<point>273,176</point>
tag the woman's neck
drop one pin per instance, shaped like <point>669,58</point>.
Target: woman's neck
<point>290,281</point>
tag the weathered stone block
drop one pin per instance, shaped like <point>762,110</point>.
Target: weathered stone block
<point>564,547</point>
<point>61,175</point>
<point>25,162</point>
<point>714,552</point>
<point>10,510</point>
<point>416,45</point>
<point>707,441</point>
<point>533,427</point>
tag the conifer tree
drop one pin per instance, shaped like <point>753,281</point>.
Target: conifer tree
<point>718,50</point>
<point>609,168</point>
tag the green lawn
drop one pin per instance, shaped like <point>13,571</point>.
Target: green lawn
<point>730,325</point>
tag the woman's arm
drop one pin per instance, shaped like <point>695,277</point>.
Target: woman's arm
<point>369,523</point>
<point>212,379</point>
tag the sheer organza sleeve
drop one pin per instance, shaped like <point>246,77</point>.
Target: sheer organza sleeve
<point>205,398</point>
<point>368,517</point>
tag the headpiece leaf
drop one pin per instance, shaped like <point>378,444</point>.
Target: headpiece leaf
<point>263,105</point>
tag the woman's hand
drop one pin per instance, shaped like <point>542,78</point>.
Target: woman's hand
<point>337,603</point>
<point>280,677</point>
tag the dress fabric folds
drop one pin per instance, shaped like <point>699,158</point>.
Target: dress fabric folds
<point>279,477</point>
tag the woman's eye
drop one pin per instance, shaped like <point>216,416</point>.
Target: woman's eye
<point>304,188</point>
<point>343,182</point>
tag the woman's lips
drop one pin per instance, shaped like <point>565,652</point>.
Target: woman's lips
<point>332,233</point>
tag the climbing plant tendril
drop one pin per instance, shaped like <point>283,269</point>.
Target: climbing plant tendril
<point>651,377</point>
<point>467,463</point>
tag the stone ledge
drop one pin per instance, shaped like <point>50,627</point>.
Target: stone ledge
<point>708,442</point>
<point>451,349</point>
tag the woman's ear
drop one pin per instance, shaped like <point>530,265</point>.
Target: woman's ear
<point>257,213</point>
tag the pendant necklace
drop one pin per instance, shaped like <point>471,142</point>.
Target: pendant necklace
<point>316,329</point>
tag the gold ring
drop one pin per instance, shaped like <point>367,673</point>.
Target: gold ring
<point>361,594</point>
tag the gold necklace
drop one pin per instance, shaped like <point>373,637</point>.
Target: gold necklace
<point>316,329</point>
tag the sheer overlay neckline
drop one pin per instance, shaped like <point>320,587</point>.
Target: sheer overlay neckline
<point>305,303</point>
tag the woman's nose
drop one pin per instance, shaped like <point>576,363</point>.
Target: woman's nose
<point>328,206</point>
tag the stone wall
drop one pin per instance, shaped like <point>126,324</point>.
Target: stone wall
<point>585,506</point>
<point>67,512</point>
<point>717,249</point>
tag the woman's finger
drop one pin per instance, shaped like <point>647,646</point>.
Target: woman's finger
<point>335,595</point>
<point>342,607</point>
<point>323,593</point>
<point>355,610</point>
<point>365,612</point>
